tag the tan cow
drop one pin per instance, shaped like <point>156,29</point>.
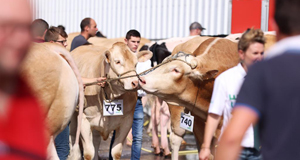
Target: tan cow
<point>56,82</point>
<point>96,61</point>
<point>192,88</point>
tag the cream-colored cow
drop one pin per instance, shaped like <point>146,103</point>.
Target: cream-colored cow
<point>96,61</point>
<point>56,82</point>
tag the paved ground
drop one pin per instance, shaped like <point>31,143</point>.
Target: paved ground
<point>189,138</point>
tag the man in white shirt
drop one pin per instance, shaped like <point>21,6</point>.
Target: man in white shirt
<point>226,88</point>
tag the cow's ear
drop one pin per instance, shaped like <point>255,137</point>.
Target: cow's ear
<point>195,74</point>
<point>209,75</point>
<point>144,56</point>
<point>107,56</point>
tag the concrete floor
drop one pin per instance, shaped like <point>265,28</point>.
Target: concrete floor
<point>126,154</point>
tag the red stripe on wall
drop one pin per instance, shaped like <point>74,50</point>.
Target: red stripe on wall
<point>245,14</point>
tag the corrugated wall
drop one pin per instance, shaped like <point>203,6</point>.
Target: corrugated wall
<point>155,19</point>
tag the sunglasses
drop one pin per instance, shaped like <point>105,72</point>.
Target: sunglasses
<point>62,42</point>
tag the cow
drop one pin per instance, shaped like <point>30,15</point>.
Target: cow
<point>97,61</point>
<point>191,85</point>
<point>56,83</point>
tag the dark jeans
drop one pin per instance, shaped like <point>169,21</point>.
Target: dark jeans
<point>62,144</point>
<point>137,131</point>
<point>250,154</point>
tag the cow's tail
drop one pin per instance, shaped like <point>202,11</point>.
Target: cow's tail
<point>75,153</point>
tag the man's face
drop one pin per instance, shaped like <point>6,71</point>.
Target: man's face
<point>15,36</point>
<point>133,43</point>
<point>253,54</point>
<point>62,41</point>
<point>92,29</point>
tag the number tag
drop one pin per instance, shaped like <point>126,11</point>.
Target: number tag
<point>115,108</point>
<point>187,122</point>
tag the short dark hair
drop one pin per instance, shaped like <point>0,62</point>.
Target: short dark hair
<point>133,33</point>
<point>196,25</point>
<point>287,16</point>
<point>38,27</point>
<point>61,27</point>
<point>53,33</point>
<point>85,22</point>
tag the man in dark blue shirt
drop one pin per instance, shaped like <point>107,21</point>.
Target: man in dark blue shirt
<point>88,29</point>
<point>270,94</point>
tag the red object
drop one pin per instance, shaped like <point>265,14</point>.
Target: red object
<point>22,129</point>
<point>245,14</point>
<point>271,14</point>
<point>39,40</point>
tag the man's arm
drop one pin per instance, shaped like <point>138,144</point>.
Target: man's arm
<point>91,80</point>
<point>210,128</point>
<point>230,143</point>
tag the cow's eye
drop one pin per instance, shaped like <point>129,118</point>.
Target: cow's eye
<point>175,70</point>
<point>117,62</point>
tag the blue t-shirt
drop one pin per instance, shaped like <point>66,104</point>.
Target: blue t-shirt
<point>272,90</point>
<point>78,41</point>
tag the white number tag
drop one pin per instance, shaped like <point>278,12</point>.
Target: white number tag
<point>187,122</point>
<point>115,108</point>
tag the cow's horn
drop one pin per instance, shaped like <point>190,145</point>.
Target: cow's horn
<point>194,63</point>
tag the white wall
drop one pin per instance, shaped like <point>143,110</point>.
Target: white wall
<point>155,19</point>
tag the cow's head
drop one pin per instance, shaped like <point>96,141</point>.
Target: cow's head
<point>121,62</point>
<point>177,77</point>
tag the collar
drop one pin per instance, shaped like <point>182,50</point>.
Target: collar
<point>241,70</point>
<point>290,43</point>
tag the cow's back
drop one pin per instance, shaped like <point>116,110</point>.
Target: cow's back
<point>53,82</point>
<point>190,46</point>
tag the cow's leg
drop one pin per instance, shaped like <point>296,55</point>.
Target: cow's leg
<point>177,132</point>
<point>199,125</point>
<point>164,118</point>
<point>51,151</point>
<point>96,143</point>
<point>120,136</point>
<point>175,142</point>
<point>129,138</point>
<point>154,117</point>
<point>85,138</point>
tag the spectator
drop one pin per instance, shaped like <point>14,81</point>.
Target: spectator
<point>22,122</point>
<point>39,28</point>
<point>56,35</point>
<point>270,94</point>
<point>196,29</point>
<point>226,87</point>
<point>88,29</point>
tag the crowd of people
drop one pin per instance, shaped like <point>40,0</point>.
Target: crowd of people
<point>259,101</point>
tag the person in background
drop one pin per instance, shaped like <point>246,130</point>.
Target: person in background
<point>39,28</point>
<point>56,35</point>
<point>196,29</point>
<point>226,88</point>
<point>22,121</point>
<point>59,36</point>
<point>270,94</point>
<point>88,29</point>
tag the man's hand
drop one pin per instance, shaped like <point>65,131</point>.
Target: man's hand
<point>102,84</point>
<point>204,154</point>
